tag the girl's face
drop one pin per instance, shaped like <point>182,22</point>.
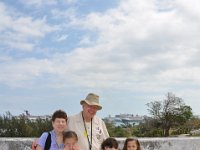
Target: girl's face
<point>70,143</point>
<point>132,145</point>
<point>108,148</point>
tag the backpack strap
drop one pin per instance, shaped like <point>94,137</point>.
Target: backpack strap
<point>48,142</point>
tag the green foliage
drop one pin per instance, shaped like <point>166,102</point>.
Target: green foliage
<point>11,126</point>
<point>150,128</point>
<point>118,131</point>
<point>190,125</point>
<point>193,123</point>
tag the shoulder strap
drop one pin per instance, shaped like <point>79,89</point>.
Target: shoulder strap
<point>48,142</point>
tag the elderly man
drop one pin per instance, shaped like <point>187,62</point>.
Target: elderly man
<point>91,130</point>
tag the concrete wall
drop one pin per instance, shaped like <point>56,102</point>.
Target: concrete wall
<point>15,143</point>
<point>180,143</point>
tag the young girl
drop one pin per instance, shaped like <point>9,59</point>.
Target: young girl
<point>109,144</point>
<point>70,140</point>
<point>131,144</point>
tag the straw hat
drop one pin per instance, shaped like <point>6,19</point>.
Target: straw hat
<point>92,99</point>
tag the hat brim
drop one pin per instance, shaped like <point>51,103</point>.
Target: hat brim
<point>89,103</point>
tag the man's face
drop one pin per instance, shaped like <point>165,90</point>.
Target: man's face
<point>89,110</point>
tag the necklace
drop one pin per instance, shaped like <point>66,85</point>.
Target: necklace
<point>89,141</point>
<point>60,146</point>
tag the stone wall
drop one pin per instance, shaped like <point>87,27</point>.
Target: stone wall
<point>180,143</point>
<point>15,143</point>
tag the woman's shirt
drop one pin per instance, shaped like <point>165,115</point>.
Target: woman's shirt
<point>54,145</point>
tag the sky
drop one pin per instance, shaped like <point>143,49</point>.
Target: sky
<point>129,52</point>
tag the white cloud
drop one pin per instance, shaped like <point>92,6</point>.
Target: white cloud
<point>86,40</point>
<point>134,48</point>
<point>5,58</point>
<point>135,42</point>
<point>42,3</point>
<point>31,28</point>
<point>39,3</point>
<point>20,45</point>
<point>146,47</point>
<point>21,32</point>
<point>20,73</point>
<point>5,18</point>
<point>61,38</point>
<point>188,10</point>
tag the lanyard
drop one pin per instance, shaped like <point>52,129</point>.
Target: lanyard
<point>89,141</point>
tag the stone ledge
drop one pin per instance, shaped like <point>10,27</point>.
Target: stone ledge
<point>179,143</point>
<point>16,143</point>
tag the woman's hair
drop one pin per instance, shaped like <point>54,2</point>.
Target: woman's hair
<point>109,142</point>
<point>69,134</point>
<point>131,139</point>
<point>59,114</point>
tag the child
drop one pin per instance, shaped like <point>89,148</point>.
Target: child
<point>70,140</point>
<point>131,144</point>
<point>109,144</point>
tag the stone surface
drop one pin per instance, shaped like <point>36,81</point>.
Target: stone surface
<point>179,143</point>
<point>16,143</point>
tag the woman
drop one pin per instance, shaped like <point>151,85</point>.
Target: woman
<point>55,142</point>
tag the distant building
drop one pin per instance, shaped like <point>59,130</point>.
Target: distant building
<point>195,132</point>
<point>125,119</point>
<point>33,118</point>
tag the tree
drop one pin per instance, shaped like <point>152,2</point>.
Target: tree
<point>170,112</point>
<point>11,126</point>
<point>118,131</point>
<point>149,128</point>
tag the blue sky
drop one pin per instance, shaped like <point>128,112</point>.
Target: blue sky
<point>129,52</point>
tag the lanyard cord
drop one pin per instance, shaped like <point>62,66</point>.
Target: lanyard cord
<point>89,141</point>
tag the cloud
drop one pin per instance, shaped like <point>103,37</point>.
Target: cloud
<point>21,73</point>
<point>5,58</point>
<point>42,3</point>
<point>38,3</point>
<point>134,49</point>
<point>21,32</point>
<point>137,50</point>
<point>86,40</point>
<point>61,38</point>
<point>188,10</point>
